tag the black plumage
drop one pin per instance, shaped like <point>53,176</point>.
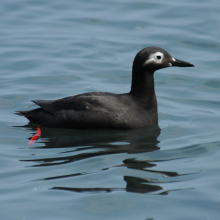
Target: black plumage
<point>102,110</point>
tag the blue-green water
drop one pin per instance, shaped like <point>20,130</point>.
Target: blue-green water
<point>53,49</point>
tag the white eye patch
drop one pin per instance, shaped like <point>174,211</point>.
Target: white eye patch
<point>155,58</point>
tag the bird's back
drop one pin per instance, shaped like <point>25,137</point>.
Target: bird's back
<point>91,111</point>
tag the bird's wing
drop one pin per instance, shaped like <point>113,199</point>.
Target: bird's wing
<point>83,102</point>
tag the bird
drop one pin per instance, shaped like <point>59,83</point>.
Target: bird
<point>104,110</point>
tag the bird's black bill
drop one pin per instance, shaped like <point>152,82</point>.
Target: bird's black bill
<point>181,63</point>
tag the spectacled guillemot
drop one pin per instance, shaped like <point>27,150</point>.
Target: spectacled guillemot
<point>103,110</point>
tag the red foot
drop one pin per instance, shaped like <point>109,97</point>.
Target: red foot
<point>36,136</point>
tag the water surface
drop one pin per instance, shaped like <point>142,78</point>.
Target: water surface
<point>53,49</point>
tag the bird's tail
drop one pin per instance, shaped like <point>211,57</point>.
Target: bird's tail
<point>30,115</point>
<point>22,113</point>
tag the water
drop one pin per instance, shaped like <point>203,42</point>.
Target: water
<point>52,49</point>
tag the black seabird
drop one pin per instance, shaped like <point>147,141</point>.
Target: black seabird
<point>103,110</point>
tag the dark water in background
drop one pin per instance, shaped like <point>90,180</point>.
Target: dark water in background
<point>52,49</point>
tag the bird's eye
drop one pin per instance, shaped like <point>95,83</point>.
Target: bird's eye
<point>158,57</point>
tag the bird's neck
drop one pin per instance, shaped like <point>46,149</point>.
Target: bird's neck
<point>142,88</point>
